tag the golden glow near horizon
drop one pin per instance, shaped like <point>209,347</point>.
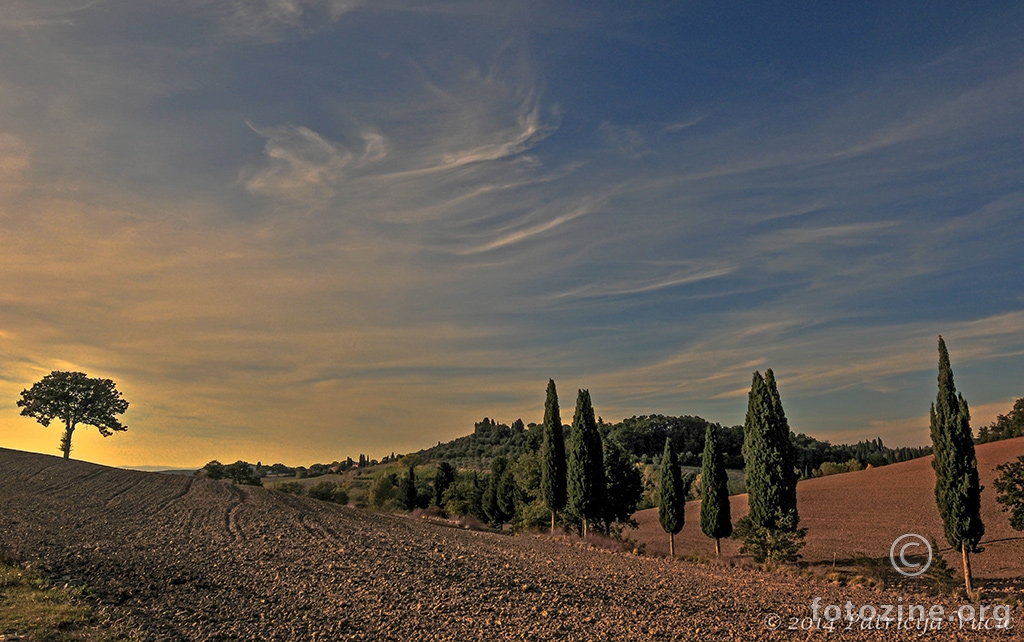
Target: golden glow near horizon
<point>303,235</point>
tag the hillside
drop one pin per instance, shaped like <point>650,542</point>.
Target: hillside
<point>644,438</point>
<point>179,558</point>
<point>865,511</point>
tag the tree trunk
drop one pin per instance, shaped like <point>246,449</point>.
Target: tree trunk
<point>65,441</point>
<point>718,547</point>
<point>671,544</point>
<point>967,571</point>
<point>584,528</point>
<point>552,522</point>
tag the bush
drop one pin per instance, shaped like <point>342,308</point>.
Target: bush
<point>328,492</point>
<point>831,468</point>
<point>212,470</point>
<point>768,544</point>
<point>241,472</point>
<point>1010,487</point>
<point>384,492</point>
<point>294,488</point>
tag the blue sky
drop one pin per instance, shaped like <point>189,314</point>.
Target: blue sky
<point>297,230</point>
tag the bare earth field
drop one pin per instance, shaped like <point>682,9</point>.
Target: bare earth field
<point>863,512</point>
<point>178,558</point>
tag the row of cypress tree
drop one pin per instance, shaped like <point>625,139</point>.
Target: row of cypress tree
<point>594,482</point>
<point>770,529</point>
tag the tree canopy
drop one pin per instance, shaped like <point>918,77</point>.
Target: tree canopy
<point>74,398</point>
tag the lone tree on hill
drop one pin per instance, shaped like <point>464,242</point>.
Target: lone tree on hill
<point>552,453</point>
<point>672,495</point>
<point>715,511</point>
<point>585,484</point>
<point>957,490</point>
<point>770,530</point>
<point>75,399</point>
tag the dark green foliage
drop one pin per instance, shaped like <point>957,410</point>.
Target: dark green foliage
<point>957,490</point>
<point>780,544</point>
<point>74,398</point>
<point>384,491</point>
<point>715,511</point>
<point>1010,488</point>
<point>771,463</point>
<point>408,493</point>
<point>1005,426</point>
<point>585,483</point>
<point>672,492</point>
<point>213,470</point>
<point>327,491</point>
<point>292,488</point>
<point>508,494</point>
<point>444,478</point>
<point>624,486</point>
<point>553,468</point>
<point>241,472</point>
<point>465,496</point>
<point>770,531</point>
<point>489,440</point>
<point>491,496</point>
<point>644,438</point>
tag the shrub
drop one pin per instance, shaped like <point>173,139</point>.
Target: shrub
<point>294,488</point>
<point>831,468</point>
<point>769,544</point>
<point>241,472</point>
<point>384,492</point>
<point>328,492</point>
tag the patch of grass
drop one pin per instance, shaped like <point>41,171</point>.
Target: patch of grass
<point>30,608</point>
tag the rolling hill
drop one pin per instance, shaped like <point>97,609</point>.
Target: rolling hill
<point>864,511</point>
<point>181,558</point>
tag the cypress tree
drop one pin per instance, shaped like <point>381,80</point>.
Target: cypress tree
<point>443,479</point>
<point>475,499</point>
<point>508,492</point>
<point>624,485</point>
<point>409,489</point>
<point>552,470</point>
<point>715,511</point>
<point>770,458</point>
<point>490,499</point>
<point>957,490</point>
<point>672,496</point>
<point>585,487</point>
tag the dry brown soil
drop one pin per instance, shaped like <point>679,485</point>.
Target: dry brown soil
<point>865,511</point>
<point>178,558</point>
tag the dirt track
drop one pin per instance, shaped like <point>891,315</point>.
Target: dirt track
<point>174,558</point>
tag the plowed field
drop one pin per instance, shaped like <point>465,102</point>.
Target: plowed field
<point>176,558</point>
<point>863,512</point>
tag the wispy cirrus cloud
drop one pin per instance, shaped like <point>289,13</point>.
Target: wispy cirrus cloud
<point>21,14</point>
<point>271,20</point>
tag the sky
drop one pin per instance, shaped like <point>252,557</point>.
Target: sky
<point>300,230</point>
